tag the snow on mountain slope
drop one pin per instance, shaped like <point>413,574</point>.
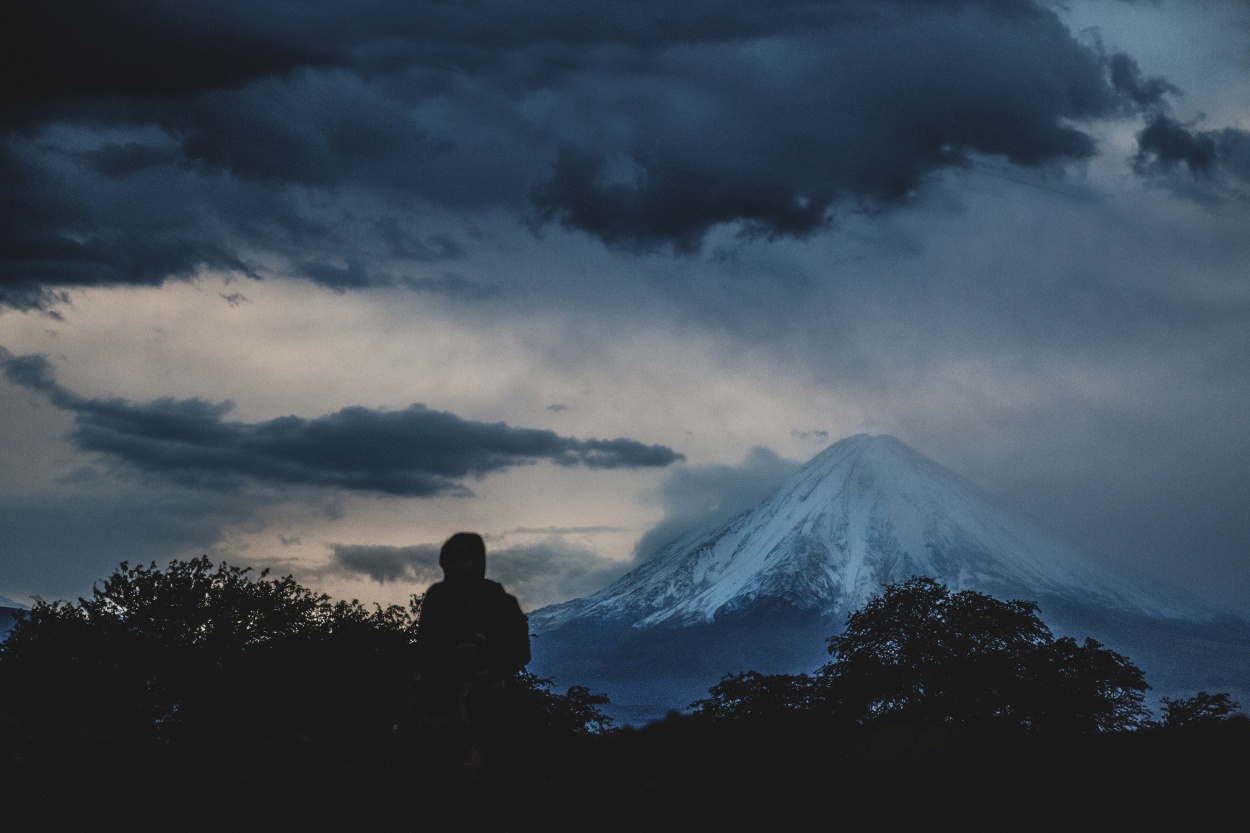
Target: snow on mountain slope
<point>9,611</point>
<point>866,511</point>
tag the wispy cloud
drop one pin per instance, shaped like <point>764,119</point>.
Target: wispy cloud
<point>415,452</point>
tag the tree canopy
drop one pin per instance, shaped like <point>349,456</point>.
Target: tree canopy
<point>1203,709</point>
<point>919,653</point>
<point>774,699</point>
<point>203,647</point>
<point>210,650</point>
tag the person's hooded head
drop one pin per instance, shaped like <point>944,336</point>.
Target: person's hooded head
<point>463,558</point>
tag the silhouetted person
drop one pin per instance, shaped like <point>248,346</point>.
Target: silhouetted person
<point>472,637</point>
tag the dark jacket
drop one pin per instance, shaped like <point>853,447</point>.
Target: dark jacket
<point>472,626</point>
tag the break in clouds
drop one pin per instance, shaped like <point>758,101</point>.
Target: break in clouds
<point>335,134</point>
<point>415,452</point>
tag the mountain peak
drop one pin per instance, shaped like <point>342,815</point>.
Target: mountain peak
<point>867,511</point>
<point>765,589</point>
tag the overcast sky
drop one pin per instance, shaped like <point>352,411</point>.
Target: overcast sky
<point>311,286</point>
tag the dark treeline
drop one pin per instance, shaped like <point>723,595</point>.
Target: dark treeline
<point>203,697</point>
<point>919,654</point>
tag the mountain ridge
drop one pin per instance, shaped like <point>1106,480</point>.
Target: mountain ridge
<point>866,511</point>
<point>764,590</point>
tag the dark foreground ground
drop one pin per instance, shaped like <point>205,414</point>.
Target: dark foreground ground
<point>674,774</point>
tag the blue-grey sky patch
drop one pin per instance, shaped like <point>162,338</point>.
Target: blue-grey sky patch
<point>44,534</point>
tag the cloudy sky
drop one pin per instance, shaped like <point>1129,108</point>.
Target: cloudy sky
<point>312,285</point>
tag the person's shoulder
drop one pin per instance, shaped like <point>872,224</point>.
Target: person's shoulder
<point>498,590</point>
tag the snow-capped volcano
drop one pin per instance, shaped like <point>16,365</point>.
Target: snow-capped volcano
<point>865,512</point>
<point>764,590</point>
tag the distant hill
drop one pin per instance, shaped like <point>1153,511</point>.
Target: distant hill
<point>765,589</point>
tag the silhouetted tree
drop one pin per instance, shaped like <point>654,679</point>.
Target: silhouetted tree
<point>575,712</point>
<point>1085,687</point>
<point>1203,709</point>
<point>215,650</point>
<point>158,651</point>
<point>920,653</point>
<point>774,699</point>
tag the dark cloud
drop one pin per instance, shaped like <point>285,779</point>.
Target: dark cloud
<point>1217,159</point>
<point>771,135</point>
<point>133,207</point>
<point>415,452</point>
<point>540,573</point>
<point>170,189</point>
<point>694,497</point>
<point>63,229</point>
<point>1165,143</point>
<point>816,435</point>
<point>1126,77</point>
<point>415,564</point>
<point>152,141</point>
<point>67,50</point>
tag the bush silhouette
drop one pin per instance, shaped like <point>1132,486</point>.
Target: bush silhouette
<point>920,654</point>
<point>216,652</point>
<point>752,697</point>
<point>1203,709</point>
<point>198,647</point>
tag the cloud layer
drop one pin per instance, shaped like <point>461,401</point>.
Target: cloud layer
<point>134,154</point>
<point>416,452</point>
